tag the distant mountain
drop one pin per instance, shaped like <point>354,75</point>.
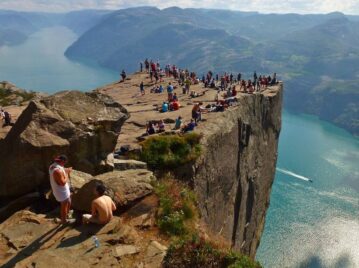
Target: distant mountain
<point>322,70</point>
<point>81,21</point>
<point>16,26</point>
<point>316,55</point>
<point>182,44</point>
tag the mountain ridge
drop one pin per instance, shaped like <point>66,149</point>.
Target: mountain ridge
<point>306,51</point>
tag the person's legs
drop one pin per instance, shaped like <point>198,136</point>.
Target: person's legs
<point>65,208</point>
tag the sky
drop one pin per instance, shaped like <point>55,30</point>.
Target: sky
<point>263,6</point>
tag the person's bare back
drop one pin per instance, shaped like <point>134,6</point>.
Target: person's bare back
<point>102,207</point>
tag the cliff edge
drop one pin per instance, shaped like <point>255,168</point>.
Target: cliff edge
<point>234,175</point>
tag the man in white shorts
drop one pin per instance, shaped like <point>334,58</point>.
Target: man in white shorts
<point>59,180</point>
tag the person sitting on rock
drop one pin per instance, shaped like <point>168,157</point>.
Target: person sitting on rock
<point>229,93</point>
<point>189,127</point>
<point>164,107</point>
<point>175,105</point>
<point>178,122</point>
<point>59,181</point>
<point>101,207</point>
<point>161,126</point>
<point>174,97</point>
<point>150,129</point>
<point>155,89</point>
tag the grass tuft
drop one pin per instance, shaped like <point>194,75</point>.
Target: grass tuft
<point>170,151</point>
<point>196,252</point>
<point>176,209</point>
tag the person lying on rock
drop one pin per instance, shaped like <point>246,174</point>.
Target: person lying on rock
<point>101,208</point>
<point>59,180</point>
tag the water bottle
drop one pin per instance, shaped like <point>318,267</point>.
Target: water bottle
<point>96,242</point>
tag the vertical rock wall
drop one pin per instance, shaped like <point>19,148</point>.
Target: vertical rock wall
<point>234,176</point>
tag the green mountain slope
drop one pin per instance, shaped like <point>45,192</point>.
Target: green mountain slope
<point>317,55</point>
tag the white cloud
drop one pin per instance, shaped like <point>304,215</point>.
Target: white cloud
<point>264,6</point>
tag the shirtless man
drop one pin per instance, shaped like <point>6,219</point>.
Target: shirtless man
<point>101,207</point>
<point>59,180</point>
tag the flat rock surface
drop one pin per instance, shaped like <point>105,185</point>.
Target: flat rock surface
<point>125,164</point>
<point>34,240</point>
<point>145,108</point>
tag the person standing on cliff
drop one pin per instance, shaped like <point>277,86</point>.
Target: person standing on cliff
<point>170,91</point>
<point>123,75</point>
<point>142,88</point>
<point>7,118</point>
<point>59,180</point>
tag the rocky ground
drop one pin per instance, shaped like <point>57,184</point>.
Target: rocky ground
<point>15,100</point>
<point>131,240</point>
<point>31,238</point>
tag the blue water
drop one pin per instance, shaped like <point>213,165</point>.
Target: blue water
<point>308,224</point>
<point>313,224</point>
<point>39,64</point>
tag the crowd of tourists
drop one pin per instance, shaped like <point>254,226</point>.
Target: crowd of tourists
<point>228,85</point>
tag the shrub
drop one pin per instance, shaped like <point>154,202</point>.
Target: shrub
<point>169,151</point>
<point>235,260</point>
<point>177,207</point>
<point>5,96</point>
<point>196,252</point>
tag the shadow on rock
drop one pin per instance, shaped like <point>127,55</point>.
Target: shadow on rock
<point>34,246</point>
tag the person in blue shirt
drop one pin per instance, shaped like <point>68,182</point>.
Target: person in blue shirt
<point>164,107</point>
<point>178,123</point>
<point>170,91</point>
<point>190,126</point>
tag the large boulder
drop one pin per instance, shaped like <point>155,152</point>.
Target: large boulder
<point>84,126</point>
<point>124,187</point>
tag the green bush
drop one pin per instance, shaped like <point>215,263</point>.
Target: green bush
<point>172,224</point>
<point>235,260</point>
<point>169,151</point>
<point>196,252</point>
<point>6,93</point>
<point>176,208</point>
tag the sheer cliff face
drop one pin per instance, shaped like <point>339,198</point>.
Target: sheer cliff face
<point>234,176</point>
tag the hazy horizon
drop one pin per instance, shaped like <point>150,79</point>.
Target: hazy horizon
<point>348,7</point>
